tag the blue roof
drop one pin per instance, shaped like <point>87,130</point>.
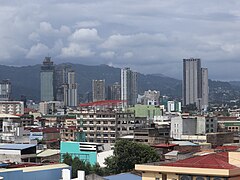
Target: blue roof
<point>16,146</point>
<point>126,176</point>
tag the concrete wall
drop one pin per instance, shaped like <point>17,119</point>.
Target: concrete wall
<point>73,148</point>
<point>49,174</point>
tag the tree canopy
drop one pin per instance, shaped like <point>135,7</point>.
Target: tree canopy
<point>127,154</point>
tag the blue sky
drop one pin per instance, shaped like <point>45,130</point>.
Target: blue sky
<point>149,36</point>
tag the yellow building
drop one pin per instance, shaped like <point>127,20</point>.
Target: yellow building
<point>217,166</point>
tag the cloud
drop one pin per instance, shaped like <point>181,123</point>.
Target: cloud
<point>150,37</point>
<point>85,35</point>
<point>76,50</point>
<point>108,54</point>
<point>37,50</point>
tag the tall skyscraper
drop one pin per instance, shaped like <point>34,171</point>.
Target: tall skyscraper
<point>72,89</point>
<point>5,90</point>
<point>47,80</point>
<point>205,89</point>
<point>116,91</point>
<point>98,90</point>
<point>128,86</point>
<point>195,83</point>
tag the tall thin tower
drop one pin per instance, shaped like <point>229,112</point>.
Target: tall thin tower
<point>72,89</point>
<point>195,83</point>
<point>128,86</point>
<point>47,80</point>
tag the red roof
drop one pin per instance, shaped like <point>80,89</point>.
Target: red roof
<point>227,148</point>
<point>46,130</point>
<point>164,145</point>
<point>213,161</point>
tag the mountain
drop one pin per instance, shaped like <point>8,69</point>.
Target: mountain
<point>26,81</point>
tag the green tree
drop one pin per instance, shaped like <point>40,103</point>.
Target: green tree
<point>127,154</point>
<point>67,159</point>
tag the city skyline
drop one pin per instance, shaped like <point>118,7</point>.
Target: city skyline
<point>147,37</point>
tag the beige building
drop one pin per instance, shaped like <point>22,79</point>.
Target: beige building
<point>216,166</point>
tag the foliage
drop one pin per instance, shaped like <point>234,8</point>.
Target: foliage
<point>127,154</point>
<point>78,164</point>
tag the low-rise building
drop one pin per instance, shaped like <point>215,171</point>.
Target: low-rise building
<point>215,166</point>
<point>90,152</point>
<point>12,107</point>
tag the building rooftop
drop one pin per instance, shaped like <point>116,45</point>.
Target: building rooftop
<point>16,146</point>
<point>127,176</point>
<point>213,161</point>
<point>48,152</point>
<point>8,116</point>
<point>184,143</point>
<point>165,145</point>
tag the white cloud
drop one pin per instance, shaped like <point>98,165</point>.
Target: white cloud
<point>108,54</point>
<point>76,50</point>
<point>37,50</point>
<point>85,35</point>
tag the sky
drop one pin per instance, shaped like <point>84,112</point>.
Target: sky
<point>150,36</point>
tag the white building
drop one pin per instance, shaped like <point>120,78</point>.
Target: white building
<point>151,97</point>
<point>72,89</point>
<point>12,107</point>
<point>128,86</point>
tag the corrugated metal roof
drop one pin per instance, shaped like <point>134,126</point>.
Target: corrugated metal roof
<point>127,176</point>
<point>16,146</point>
<point>48,152</point>
<point>184,143</point>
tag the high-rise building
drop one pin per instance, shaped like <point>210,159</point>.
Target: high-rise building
<point>72,89</point>
<point>47,80</point>
<point>128,86</point>
<point>205,89</point>
<point>115,91</point>
<point>195,83</point>
<point>98,90</point>
<point>5,90</point>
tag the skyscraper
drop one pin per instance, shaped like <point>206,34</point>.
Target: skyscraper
<point>98,90</point>
<point>47,80</point>
<point>128,86</point>
<point>205,89</point>
<point>72,89</point>
<point>195,83</point>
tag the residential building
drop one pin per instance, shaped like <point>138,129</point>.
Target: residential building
<point>115,91</point>
<point>50,107</point>
<point>86,151</point>
<point>47,80</point>
<point>98,90</point>
<point>151,98</point>
<point>192,125</point>
<point>12,107</point>
<point>5,90</point>
<point>72,89</point>
<point>128,87</point>
<point>215,166</point>
<point>195,83</point>
<point>103,126</point>
<point>9,127</point>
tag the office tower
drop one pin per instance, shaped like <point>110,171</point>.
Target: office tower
<point>128,87</point>
<point>5,90</point>
<point>47,80</point>
<point>205,89</point>
<point>194,84</point>
<point>72,89</point>
<point>115,91</point>
<point>61,76</point>
<point>98,90</point>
